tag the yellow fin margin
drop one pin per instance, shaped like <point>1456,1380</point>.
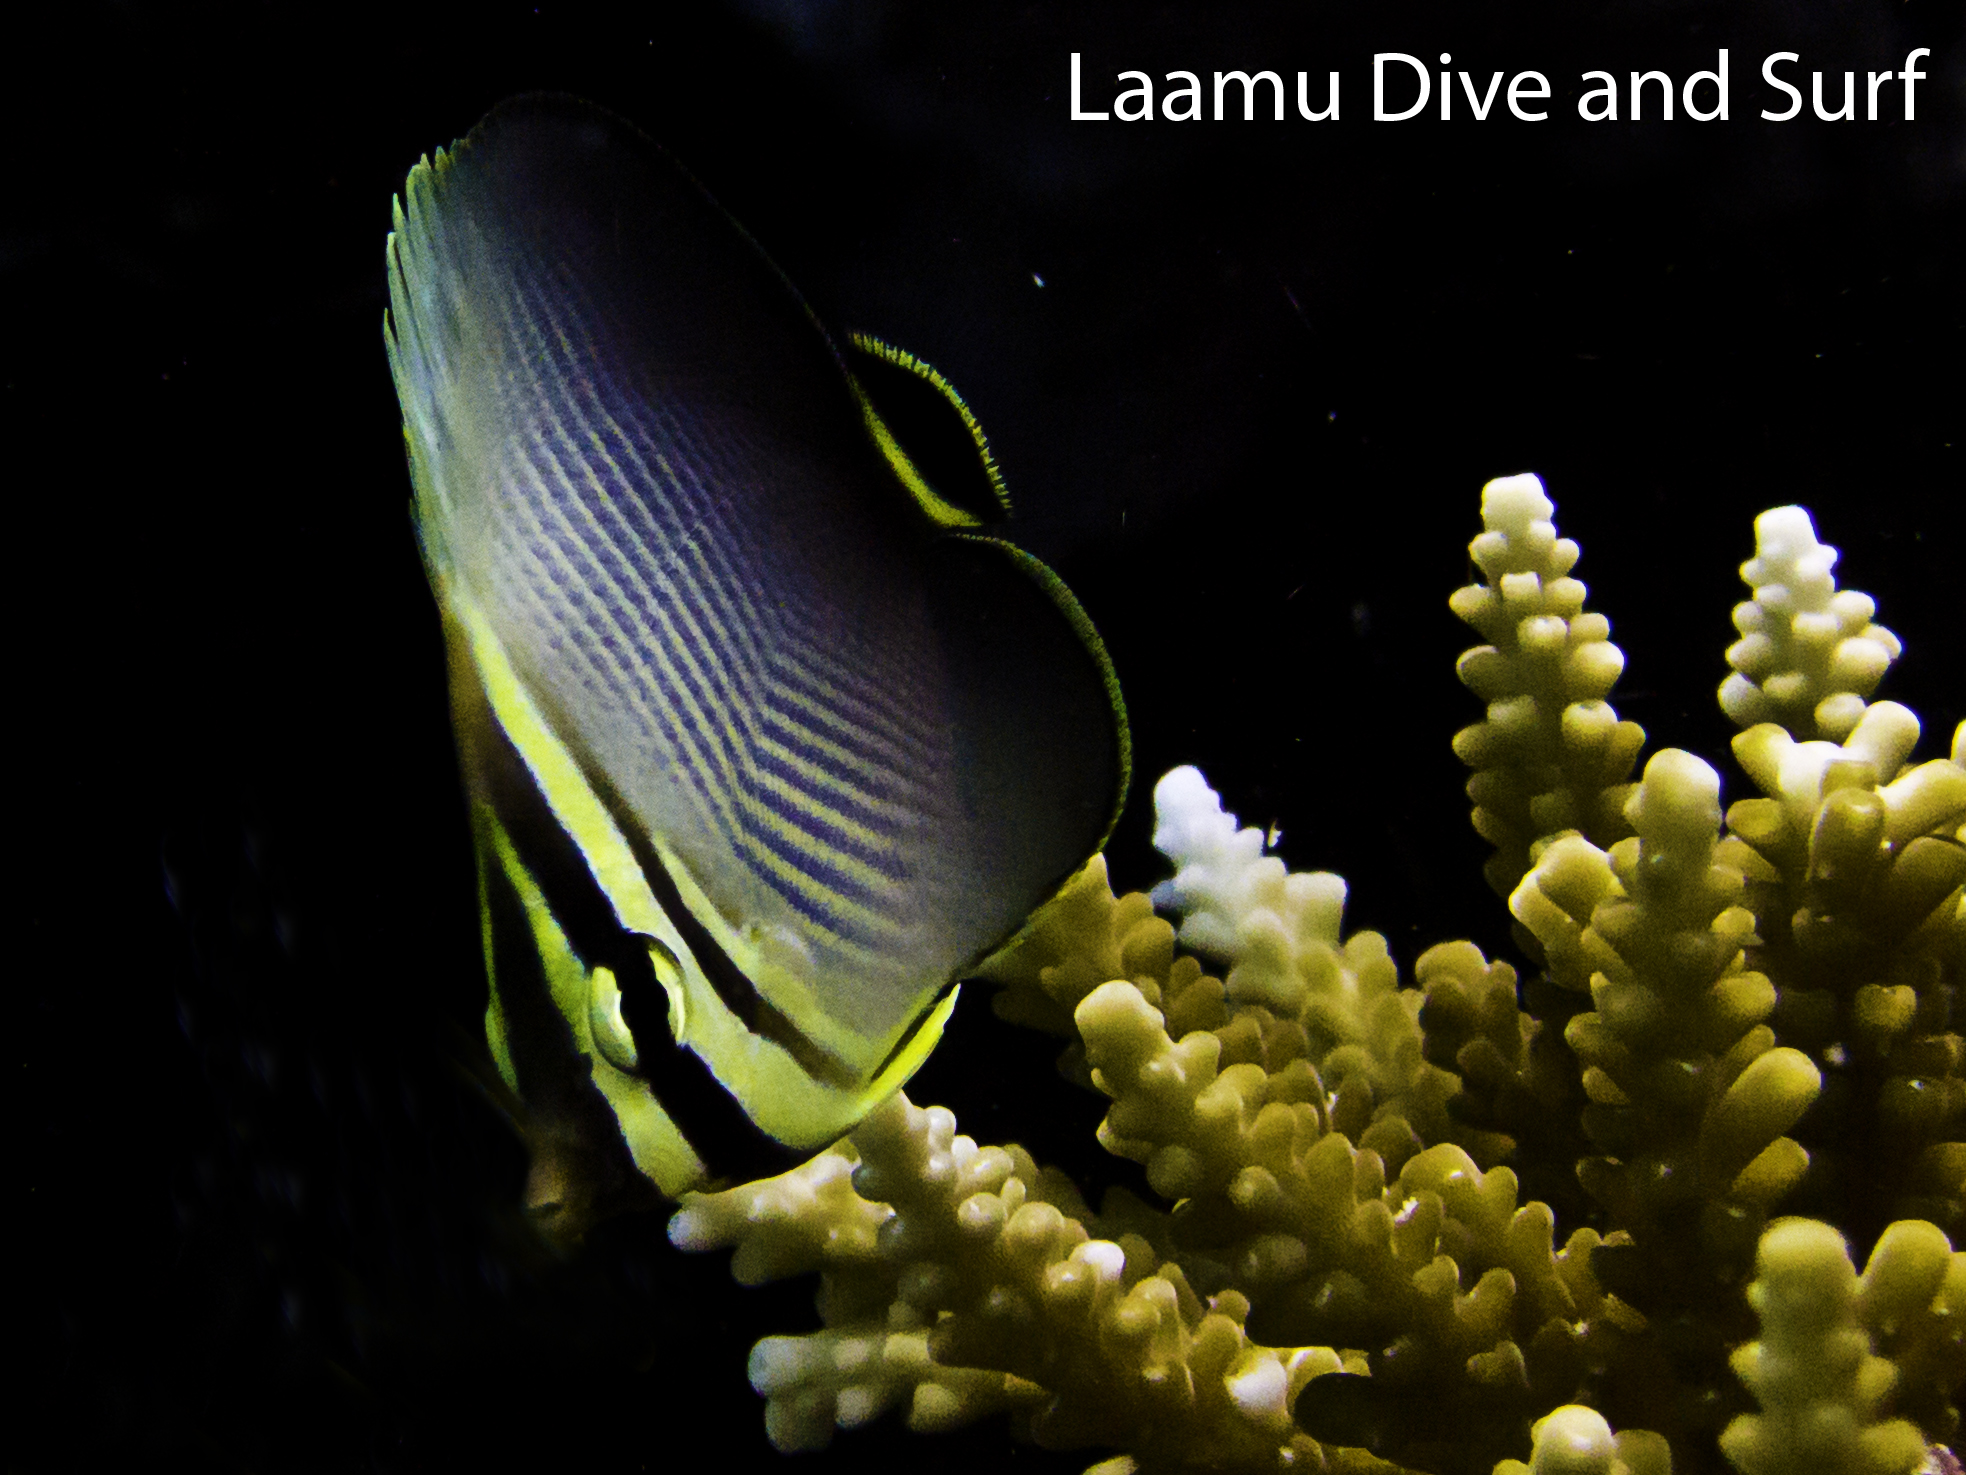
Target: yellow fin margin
<point>939,510</point>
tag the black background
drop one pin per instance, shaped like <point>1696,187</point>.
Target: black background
<point>264,1220</point>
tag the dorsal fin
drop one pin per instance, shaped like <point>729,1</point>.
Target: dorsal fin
<point>928,435</point>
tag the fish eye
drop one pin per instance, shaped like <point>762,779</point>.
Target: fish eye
<point>612,1037</point>
<point>668,970</point>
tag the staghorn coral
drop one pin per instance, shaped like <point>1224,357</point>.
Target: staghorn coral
<point>1813,1372</point>
<point>1808,656</point>
<point>1728,1013</point>
<point>957,1258</point>
<point>1552,754</point>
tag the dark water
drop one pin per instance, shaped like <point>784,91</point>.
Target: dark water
<point>263,1221</point>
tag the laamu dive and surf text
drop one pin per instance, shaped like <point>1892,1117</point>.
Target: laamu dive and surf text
<point>1403,86</point>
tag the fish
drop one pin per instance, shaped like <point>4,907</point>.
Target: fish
<point>769,736</point>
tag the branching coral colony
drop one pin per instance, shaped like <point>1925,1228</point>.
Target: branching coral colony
<point>1728,1018</point>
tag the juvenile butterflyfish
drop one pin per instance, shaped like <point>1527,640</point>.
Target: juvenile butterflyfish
<point>768,739</point>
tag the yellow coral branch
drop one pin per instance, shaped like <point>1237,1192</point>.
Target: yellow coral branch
<point>1358,1259</point>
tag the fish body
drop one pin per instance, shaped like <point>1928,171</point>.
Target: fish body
<point>767,740</point>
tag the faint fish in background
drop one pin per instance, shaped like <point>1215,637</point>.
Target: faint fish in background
<point>766,744</point>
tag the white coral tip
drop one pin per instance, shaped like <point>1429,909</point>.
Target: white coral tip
<point>1106,1259</point>
<point>1260,1391</point>
<point>778,1363</point>
<point>1188,815</point>
<point>1515,501</point>
<point>1785,533</point>
<point>1573,1440</point>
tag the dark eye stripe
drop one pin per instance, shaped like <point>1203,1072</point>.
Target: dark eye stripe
<point>737,991</point>
<point>712,1121</point>
<point>565,1113</point>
